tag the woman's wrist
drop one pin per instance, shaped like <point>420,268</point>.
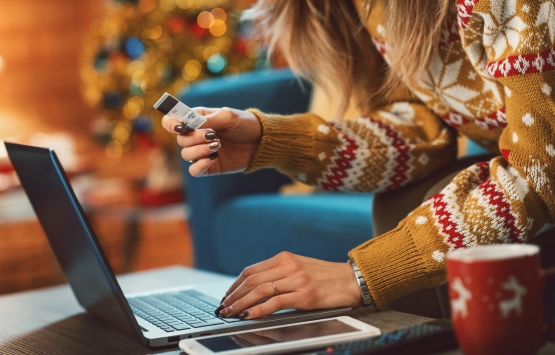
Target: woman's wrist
<point>363,287</point>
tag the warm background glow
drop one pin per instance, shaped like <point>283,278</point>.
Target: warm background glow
<point>40,48</point>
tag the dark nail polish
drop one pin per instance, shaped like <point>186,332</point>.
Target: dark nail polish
<point>210,136</point>
<point>243,314</point>
<point>214,145</point>
<point>213,156</point>
<point>225,312</point>
<point>217,311</point>
<point>223,299</point>
<point>180,129</point>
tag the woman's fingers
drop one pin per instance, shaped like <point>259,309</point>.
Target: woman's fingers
<point>257,268</point>
<point>274,304</point>
<point>169,124</point>
<point>199,151</point>
<point>256,288</point>
<point>200,167</point>
<point>199,136</point>
<point>257,294</point>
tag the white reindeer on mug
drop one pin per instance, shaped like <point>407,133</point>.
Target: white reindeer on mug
<point>514,303</point>
<point>459,305</point>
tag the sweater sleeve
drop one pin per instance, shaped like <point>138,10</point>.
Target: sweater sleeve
<point>509,199</point>
<point>390,147</point>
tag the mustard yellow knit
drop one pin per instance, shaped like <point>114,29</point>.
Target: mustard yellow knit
<point>491,80</point>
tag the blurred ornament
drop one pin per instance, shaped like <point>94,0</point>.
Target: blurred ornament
<point>134,47</point>
<point>216,63</point>
<point>143,48</point>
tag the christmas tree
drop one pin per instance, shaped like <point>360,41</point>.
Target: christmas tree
<point>143,48</point>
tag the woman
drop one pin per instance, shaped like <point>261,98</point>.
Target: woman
<point>420,70</point>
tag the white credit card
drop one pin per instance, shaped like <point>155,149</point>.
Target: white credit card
<point>172,107</point>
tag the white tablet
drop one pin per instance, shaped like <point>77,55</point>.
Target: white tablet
<point>283,338</point>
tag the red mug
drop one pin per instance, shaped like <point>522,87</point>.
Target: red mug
<point>496,294</point>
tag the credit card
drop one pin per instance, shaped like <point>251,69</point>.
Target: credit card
<point>172,107</point>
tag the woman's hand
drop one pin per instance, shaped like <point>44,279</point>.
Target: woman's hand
<point>301,282</point>
<point>234,136</point>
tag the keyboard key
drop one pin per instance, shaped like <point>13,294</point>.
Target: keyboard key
<point>231,320</point>
<point>182,327</point>
<point>205,324</point>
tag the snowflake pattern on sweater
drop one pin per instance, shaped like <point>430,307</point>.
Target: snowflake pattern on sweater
<point>491,79</point>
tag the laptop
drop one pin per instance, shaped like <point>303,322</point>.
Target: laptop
<point>157,318</point>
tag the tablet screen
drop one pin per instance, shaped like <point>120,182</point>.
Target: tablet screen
<point>276,335</point>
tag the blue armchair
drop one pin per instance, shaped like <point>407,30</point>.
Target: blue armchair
<point>239,219</point>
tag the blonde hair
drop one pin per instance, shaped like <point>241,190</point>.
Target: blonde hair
<point>325,41</point>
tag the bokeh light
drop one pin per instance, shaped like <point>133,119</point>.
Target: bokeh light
<point>121,132</point>
<point>205,19</point>
<point>192,68</point>
<point>219,14</point>
<point>216,63</point>
<point>134,48</point>
<point>133,107</point>
<point>153,33</point>
<point>218,28</point>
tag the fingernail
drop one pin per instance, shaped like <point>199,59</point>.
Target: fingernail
<point>180,129</point>
<point>223,299</point>
<point>224,312</point>
<point>217,311</point>
<point>209,136</point>
<point>213,156</point>
<point>214,145</point>
<point>243,315</point>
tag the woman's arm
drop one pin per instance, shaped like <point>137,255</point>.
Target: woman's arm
<point>388,148</point>
<point>509,199</point>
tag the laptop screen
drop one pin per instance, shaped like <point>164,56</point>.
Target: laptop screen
<point>71,236</point>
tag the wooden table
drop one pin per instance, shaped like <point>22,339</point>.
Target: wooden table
<point>50,321</point>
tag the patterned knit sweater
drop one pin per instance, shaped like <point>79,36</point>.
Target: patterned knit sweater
<point>493,80</point>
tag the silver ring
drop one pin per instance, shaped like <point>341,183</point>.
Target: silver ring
<point>275,289</point>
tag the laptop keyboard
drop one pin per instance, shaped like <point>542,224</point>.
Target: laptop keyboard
<point>174,311</point>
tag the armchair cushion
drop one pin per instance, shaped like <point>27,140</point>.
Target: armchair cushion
<point>252,228</point>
